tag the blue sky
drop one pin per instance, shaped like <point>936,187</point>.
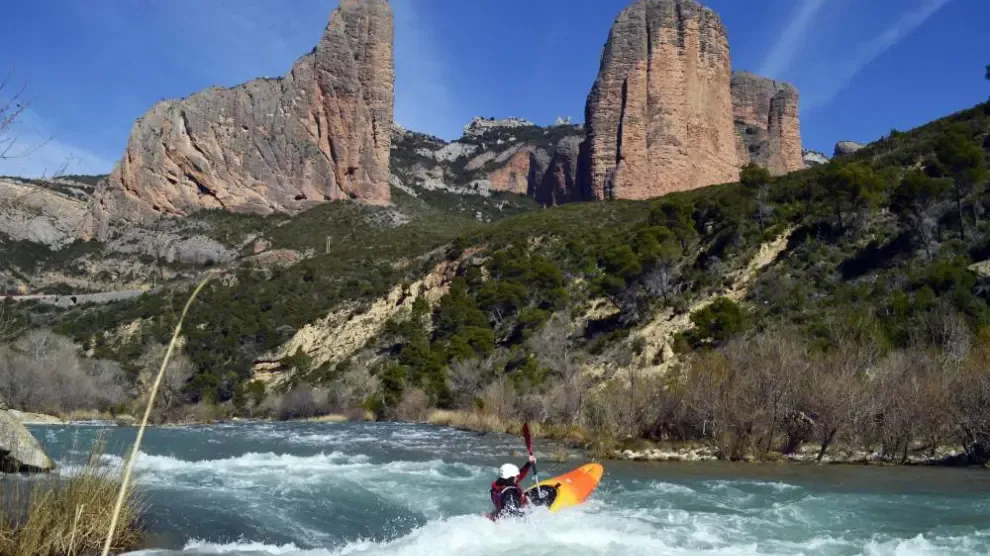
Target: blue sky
<point>91,67</point>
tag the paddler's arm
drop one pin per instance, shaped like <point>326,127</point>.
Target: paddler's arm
<point>525,469</point>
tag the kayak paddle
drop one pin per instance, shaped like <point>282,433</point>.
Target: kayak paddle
<point>528,437</point>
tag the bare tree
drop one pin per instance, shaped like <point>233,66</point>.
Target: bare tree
<point>355,385</point>
<point>551,346</point>
<point>499,398</point>
<point>774,359</point>
<point>741,395</point>
<point>467,379</point>
<point>757,181</point>
<point>912,390</point>
<point>945,329</point>
<point>709,398</point>
<point>662,280</point>
<point>970,402</point>
<point>179,371</point>
<point>833,391</point>
<point>8,324</point>
<point>302,402</point>
<point>12,107</point>
<point>44,372</point>
<point>414,407</point>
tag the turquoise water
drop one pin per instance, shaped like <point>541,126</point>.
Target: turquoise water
<point>357,489</point>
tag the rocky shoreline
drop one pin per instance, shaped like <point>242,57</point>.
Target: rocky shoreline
<point>942,456</point>
<point>643,451</point>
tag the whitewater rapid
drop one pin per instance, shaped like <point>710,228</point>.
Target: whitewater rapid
<point>361,489</point>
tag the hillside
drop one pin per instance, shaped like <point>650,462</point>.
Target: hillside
<point>863,262</point>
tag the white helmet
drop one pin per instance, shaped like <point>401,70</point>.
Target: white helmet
<point>508,471</point>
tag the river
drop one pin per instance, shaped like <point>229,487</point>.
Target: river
<point>374,488</point>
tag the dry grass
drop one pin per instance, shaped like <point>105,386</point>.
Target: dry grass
<point>480,421</point>
<point>57,515</point>
<point>475,421</point>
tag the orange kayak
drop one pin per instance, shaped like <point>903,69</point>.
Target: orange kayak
<point>567,490</point>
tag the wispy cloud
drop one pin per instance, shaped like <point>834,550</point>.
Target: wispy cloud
<point>41,152</point>
<point>841,75</point>
<point>423,99</point>
<point>787,47</point>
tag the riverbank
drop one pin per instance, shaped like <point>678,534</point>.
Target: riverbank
<point>838,455</point>
<point>598,446</point>
<point>635,449</point>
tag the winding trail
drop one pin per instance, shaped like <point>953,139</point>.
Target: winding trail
<point>75,299</point>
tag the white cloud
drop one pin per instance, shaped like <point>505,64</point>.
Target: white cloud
<point>38,152</point>
<point>843,73</point>
<point>787,47</point>
<point>423,100</point>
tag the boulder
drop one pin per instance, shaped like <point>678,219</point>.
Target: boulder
<point>813,158</point>
<point>847,147</point>
<point>20,451</point>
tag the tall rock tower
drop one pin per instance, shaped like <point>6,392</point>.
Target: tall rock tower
<point>767,123</point>
<point>667,114</point>
<point>660,114</point>
<point>321,132</point>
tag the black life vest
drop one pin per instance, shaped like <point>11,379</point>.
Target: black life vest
<point>510,499</point>
<point>512,496</point>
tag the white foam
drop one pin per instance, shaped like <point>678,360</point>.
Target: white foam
<point>200,547</point>
<point>922,545</point>
<point>574,532</point>
<point>671,488</point>
<point>253,469</point>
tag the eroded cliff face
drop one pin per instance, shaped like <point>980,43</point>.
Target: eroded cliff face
<point>320,133</point>
<point>767,121</point>
<point>31,212</point>
<point>660,114</point>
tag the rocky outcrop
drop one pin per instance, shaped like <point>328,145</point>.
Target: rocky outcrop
<point>30,212</point>
<point>539,162</point>
<point>480,126</point>
<point>20,451</point>
<point>171,247</point>
<point>813,158</point>
<point>768,127</point>
<point>321,132</point>
<point>524,167</point>
<point>560,181</point>
<point>660,115</point>
<point>843,148</point>
<point>351,327</point>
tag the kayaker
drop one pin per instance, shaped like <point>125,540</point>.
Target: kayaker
<point>507,493</point>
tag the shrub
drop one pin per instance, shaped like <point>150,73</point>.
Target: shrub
<point>43,372</point>
<point>717,322</point>
<point>68,515</point>
<point>302,402</point>
<point>414,406</point>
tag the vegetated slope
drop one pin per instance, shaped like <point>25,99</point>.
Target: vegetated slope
<point>877,251</point>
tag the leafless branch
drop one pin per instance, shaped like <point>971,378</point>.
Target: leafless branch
<point>8,324</point>
<point>13,105</point>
